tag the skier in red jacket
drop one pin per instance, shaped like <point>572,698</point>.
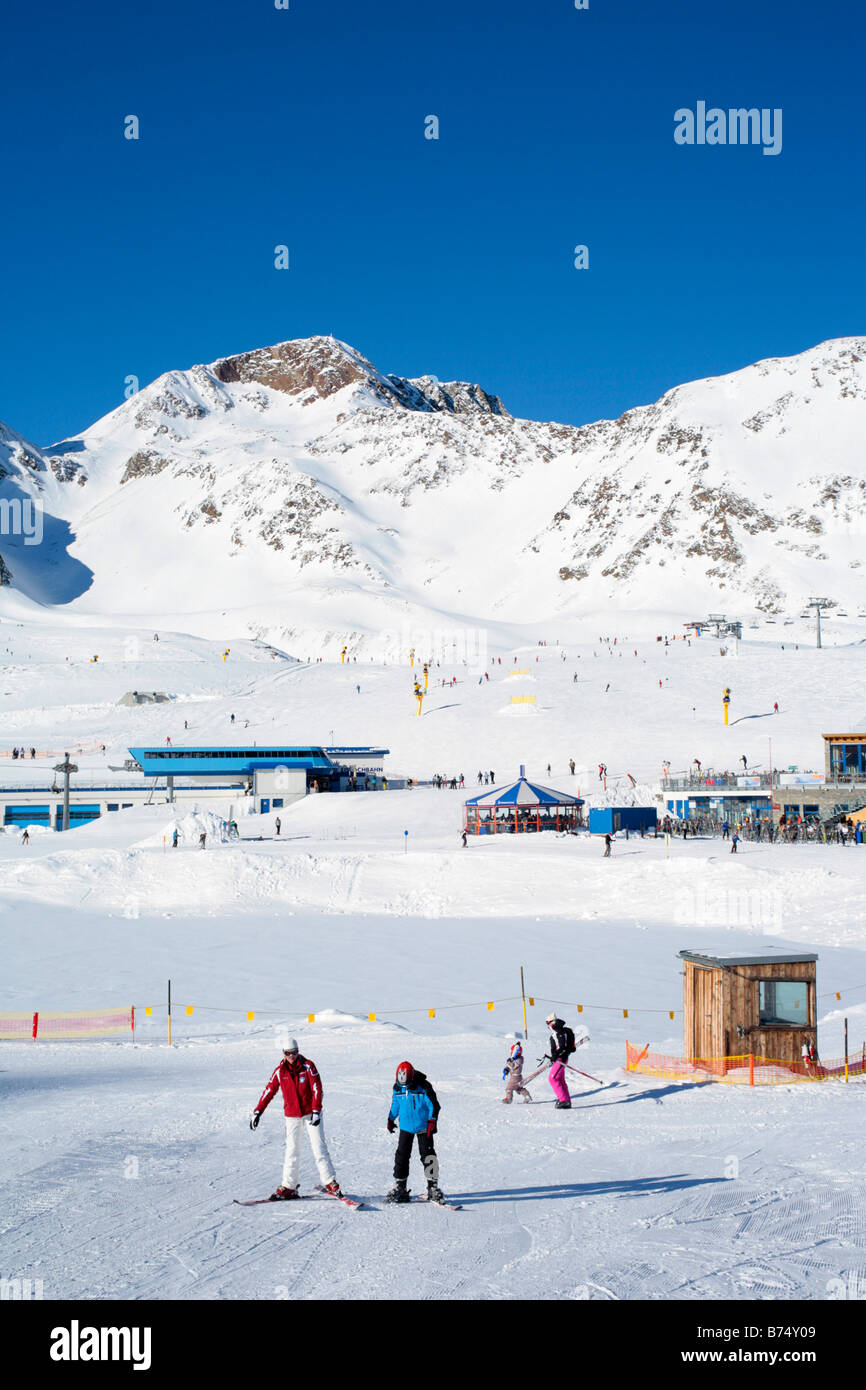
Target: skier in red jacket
<point>300,1083</point>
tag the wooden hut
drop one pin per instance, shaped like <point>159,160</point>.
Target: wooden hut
<point>738,1004</point>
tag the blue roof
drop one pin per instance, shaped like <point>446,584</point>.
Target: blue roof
<point>169,761</point>
<point>524,793</point>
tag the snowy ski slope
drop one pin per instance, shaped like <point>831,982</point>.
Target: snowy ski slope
<point>120,1163</point>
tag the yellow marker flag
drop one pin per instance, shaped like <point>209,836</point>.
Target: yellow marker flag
<point>250,1016</point>
<point>148,1010</point>
<point>189,1009</point>
<point>371,1018</point>
<point>670,1013</point>
<point>580,1008</point>
<point>431,1013</point>
<point>838,995</point>
<point>625,1013</point>
<point>490,1005</point>
<point>532,1001</point>
<point>311,1018</point>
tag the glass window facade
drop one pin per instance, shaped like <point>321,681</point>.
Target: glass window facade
<point>848,759</point>
<point>784,1003</point>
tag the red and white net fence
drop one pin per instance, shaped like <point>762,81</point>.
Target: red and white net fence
<point>53,1027</point>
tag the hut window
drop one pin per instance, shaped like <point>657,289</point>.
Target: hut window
<point>784,1002</point>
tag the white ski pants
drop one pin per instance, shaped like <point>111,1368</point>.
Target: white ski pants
<point>295,1127</point>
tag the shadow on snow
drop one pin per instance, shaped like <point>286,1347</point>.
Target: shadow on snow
<point>623,1187</point>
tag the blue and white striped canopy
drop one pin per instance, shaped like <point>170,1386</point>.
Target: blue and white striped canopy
<point>524,793</point>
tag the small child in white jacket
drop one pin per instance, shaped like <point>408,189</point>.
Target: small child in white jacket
<point>512,1075</point>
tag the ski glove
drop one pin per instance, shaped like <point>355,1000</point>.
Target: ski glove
<point>431,1128</point>
<point>504,1073</point>
<point>315,1117</point>
<point>254,1118</point>
<point>391,1125</point>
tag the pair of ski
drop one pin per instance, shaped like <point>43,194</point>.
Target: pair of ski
<point>317,1191</point>
<point>446,1206</point>
<point>351,1202</point>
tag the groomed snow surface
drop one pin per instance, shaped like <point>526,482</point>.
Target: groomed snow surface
<point>120,1162</point>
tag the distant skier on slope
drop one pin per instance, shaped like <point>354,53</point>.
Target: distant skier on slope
<point>298,1079</point>
<point>415,1112</point>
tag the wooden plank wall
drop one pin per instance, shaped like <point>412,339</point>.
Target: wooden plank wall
<point>704,996</point>
<point>782,1043</point>
<point>716,1000</point>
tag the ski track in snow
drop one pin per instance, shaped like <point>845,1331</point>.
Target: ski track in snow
<point>120,1167</point>
<point>549,1199</point>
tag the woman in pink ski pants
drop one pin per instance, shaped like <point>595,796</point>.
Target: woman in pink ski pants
<point>557,1071</point>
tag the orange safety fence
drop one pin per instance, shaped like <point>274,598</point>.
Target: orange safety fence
<point>86,1023</point>
<point>744,1070</point>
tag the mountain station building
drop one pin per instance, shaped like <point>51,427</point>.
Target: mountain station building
<point>273,776</point>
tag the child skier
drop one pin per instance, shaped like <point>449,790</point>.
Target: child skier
<point>512,1075</point>
<point>414,1111</point>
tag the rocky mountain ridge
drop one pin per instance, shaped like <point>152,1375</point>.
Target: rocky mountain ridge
<point>299,471</point>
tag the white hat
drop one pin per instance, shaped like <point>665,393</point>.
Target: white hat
<point>551,1018</point>
<point>288,1044</point>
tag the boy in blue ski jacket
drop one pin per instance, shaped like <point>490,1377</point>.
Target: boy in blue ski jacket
<point>415,1112</point>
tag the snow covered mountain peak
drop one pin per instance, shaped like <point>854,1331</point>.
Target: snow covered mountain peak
<point>317,368</point>
<point>313,368</point>
<point>317,494</point>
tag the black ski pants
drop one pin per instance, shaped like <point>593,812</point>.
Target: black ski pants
<point>426,1152</point>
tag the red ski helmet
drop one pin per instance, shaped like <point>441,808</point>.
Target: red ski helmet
<point>405,1073</point>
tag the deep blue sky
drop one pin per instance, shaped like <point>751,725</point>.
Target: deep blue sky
<point>306,127</point>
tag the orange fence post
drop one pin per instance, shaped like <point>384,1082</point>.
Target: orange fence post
<point>751,1068</point>
<point>35,1024</point>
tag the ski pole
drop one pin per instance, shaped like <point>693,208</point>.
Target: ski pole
<point>583,1073</point>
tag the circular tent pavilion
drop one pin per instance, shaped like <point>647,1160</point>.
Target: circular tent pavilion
<point>522,806</point>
